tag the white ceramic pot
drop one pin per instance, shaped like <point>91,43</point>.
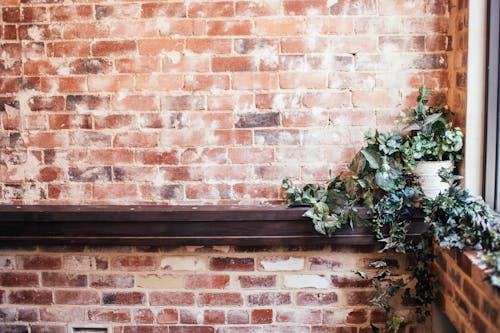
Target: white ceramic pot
<point>427,174</point>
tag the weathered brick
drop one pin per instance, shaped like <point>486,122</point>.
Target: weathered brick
<point>269,298</point>
<point>76,297</point>
<point>300,316</point>
<point>206,281</point>
<point>39,262</point>
<point>38,297</point>
<point>124,298</point>
<point>52,279</point>
<point>213,317</point>
<point>90,174</point>
<point>220,299</point>
<point>171,298</point>
<point>238,317</point>
<point>11,279</point>
<point>311,298</point>
<point>167,316</point>
<point>359,297</point>
<point>110,315</point>
<point>257,281</point>
<point>262,316</point>
<point>191,329</point>
<point>231,264</point>
<point>14,329</point>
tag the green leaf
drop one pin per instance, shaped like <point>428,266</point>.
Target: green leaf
<point>372,157</point>
<point>374,328</point>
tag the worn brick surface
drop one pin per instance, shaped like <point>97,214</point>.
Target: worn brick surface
<point>146,83</point>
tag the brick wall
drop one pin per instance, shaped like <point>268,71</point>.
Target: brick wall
<point>465,296</point>
<point>201,102</point>
<point>190,290</point>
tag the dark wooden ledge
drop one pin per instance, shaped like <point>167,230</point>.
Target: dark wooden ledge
<point>171,226</point>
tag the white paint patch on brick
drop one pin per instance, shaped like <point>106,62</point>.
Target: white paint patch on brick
<point>283,264</point>
<point>35,32</point>
<point>182,263</point>
<point>306,281</point>
<point>331,3</point>
<point>78,263</point>
<point>266,54</point>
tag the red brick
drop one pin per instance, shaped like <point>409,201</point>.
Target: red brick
<point>145,329</point>
<point>69,49</point>
<point>109,315</point>
<point>121,11</point>
<point>257,9</point>
<point>136,103</point>
<point>359,297</point>
<point>9,279</point>
<point>238,317</point>
<point>257,281</point>
<point>211,9</point>
<point>229,28</point>
<point>402,7</point>
<point>41,262</point>
<point>233,64</point>
<point>52,279</point>
<point>76,297</point>
<point>62,314</point>
<point>69,121</point>
<point>24,14</point>
<point>262,316</point>
<point>30,315</point>
<point>46,103</point>
<point>311,298</point>
<point>114,48</point>
<point>213,317</point>
<point>183,102</point>
<point>350,282</point>
<point>136,139</point>
<point>9,85</point>
<point>143,316</point>
<point>167,316</point>
<point>48,329</point>
<point>208,191</point>
<point>114,121</point>
<point>90,66</point>
<point>113,83</point>
<point>231,264</point>
<point>255,81</point>
<point>206,281</point>
<point>138,65</point>
<point>220,299</point>
<point>169,298</point>
<point>357,317</point>
<point>300,316</point>
<point>289,26</point>
<point>159,82</point>
<point>134,263</point>
<point>38,297</point>
<point>246,190</point>
<point>191,329</point>
<point>71,13</point>
<point>124,298</point>
<point>154,47</point>
<point>299,7</point>
<point>64,84</point>
<point>269,298</point>
<point>87,102</point>
<point>209,45</point>
<point>154,157</point>
<point>150,10</point>
<point>401,43</point>
<point>115,192</point>
<point>111,281</point>
<point>206,82</point>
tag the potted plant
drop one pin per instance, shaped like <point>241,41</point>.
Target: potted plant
<point>432,142</point>
<point>380,189</point>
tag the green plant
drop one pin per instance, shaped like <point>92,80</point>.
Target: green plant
<point>461,220</point>
<point>379,182</point>
<point>429,136</point>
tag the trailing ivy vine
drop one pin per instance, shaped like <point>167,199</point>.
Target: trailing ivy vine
<point>379,190</point>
